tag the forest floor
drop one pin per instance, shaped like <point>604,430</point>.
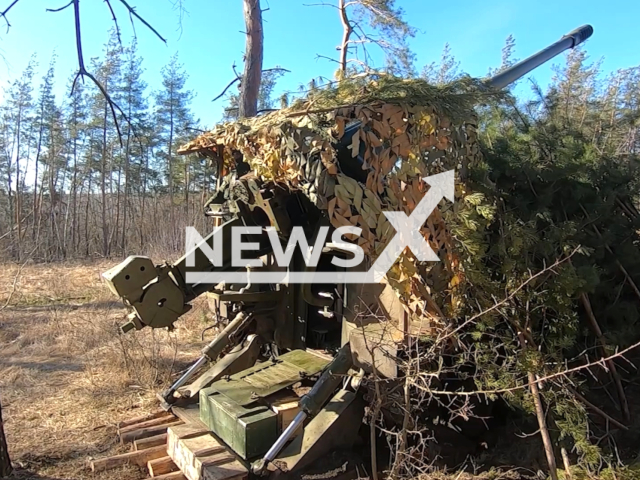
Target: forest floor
<point>67,376</point>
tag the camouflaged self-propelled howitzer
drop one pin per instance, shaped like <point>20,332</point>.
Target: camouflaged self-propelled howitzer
<point>333,161</point>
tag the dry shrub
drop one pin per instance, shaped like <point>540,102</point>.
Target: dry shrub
<point>67,375</point>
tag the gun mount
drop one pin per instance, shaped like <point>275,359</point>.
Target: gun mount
<point>328,169</point>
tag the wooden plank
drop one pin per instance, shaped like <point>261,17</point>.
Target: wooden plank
<point>189,415</point>
<point>202,445</point>
<point>228,471</point>
<point>149,442</point>
<point>287,411</point>
<point>139,458</point>
<point>149,423</point>
<point>201,456</point>
<point>186,431</point>
<point>147,432</point>
<point>160,466</point>
<point>143,418</point>
<point>169,476</point>
<point>188,451</point>
<point>214,460</point>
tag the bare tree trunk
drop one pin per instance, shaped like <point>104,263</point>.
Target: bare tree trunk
<point>253,59</point>
<point>346,35</point>
<point>74,197</point>
<point>540,415</point>
<point>172,219</point>
<point>126,194</point>
<point>36,213</point>
<point>144,195</point>
<point>187,181</point>
<point>18,203</point>
<point>86,210</point>
<point>103,184</point>
<point>114,231</point>
<point>5,461</point>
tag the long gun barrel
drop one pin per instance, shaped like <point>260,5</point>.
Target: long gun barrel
<point>513,73</point>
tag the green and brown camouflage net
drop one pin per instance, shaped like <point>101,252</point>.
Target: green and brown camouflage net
<point>419,132</point>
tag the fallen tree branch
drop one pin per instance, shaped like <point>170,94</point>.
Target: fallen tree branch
<point>13,287</point>
<point>597,410</point>
<point>601,362</point>
<point>622,399</point>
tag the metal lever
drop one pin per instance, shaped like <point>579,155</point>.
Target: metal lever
<point>209,353</point>
<point>259,467</point>
<point>311,403</point>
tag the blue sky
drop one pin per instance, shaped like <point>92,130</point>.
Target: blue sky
<point>211,39</point>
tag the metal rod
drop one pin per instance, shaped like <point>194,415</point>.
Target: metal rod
<point>184,378</point>
<point>511,74</point>
<point>259,467</point>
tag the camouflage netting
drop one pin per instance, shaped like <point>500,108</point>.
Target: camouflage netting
<point>410,130</point>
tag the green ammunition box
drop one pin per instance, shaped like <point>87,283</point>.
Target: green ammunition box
<point>236,408</point>
<point>248,430</point>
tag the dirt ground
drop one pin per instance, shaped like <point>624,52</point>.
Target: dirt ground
<point>67,376</point>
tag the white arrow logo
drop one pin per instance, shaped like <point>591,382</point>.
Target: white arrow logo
<point>408,227</point>
<point>407,235</point>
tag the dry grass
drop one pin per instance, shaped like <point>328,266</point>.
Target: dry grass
<point>67,376</point>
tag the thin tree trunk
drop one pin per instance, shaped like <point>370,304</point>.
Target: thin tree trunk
<point>114,231</point>
<point>144,195</point>
<point>86,210</point>
<point>36,213</point>
<point>346,35</point>
<point>74,196</point>
<point>18,203</point>
<point>253,59</point>
<point>103,185</point>
<point>11,207</point>
<point>52,191</point>
<point>5,461</point>
<point>126,190</point>
<point>186,188</point>
<point>542,423</point>
<point>170,157</point>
